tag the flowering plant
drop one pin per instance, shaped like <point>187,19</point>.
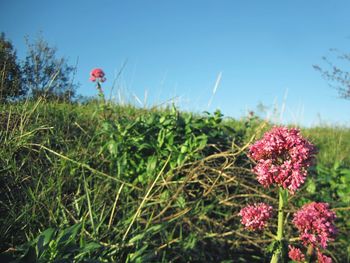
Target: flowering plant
<point>315,223</point>
<point>296,254</point>
<point>255,216</point>
<point>97,75</point>
<point>282,158</point>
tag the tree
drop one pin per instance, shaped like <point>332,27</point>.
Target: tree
<point>337,77</point>
<point>45,75</point>
<point>10,73</point>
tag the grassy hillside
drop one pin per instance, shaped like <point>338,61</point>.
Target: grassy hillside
<point>121,184</point>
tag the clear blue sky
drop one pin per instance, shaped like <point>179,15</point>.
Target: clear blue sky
<point>264,49</point>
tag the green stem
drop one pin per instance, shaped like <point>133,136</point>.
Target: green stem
<point>278,253</point>
<point>100,92</point>
<point>102,101</point>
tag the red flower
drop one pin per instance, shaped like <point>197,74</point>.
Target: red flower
<point>283,157</point>
<point>315,221</point>
<point>255,216</point>
<point>295,254</point>
<point>97,74</point>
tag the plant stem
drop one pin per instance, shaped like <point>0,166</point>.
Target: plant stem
<point>278,253</point>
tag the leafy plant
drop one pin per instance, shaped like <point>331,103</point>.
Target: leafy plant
<point>66,163</point>
<point>58,245</point>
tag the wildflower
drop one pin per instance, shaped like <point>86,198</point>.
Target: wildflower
<point>315,221</point>
<point>296,254</point>
<point>255,216</point>
<point>322,258</point>
<point>97,74</point>
<point>283,157</point>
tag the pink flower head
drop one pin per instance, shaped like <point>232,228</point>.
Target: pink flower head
<point>255,216</point>
<point>322,258</point>
<point>97,74</point>
<point>283,157</point>
<point>315,221</point>
<point>295,254</point>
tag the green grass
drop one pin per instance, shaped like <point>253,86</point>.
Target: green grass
<point>140,185</point>
<point>333,144</point>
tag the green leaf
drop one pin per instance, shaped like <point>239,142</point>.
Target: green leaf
<point>47,235</point>
<point>203,139</point>
<point>311,186</point>
<point>154,229</point>
<point>44,239</point>
<point>137,256</point>
<point>91,246</point>
<point>161,136</point>
<point>69,234</point>
<point>181,202</point>
<point>137,237</point>
<point>151,164</point>
<point>181,159</point>
<point>273,246</point>
<point>190,241</point>
<point>112,147</point>
<point>184,149</point>
<point>162,119</point>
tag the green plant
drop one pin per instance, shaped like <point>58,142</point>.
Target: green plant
<point>58,245</point>
<point>58,171</point>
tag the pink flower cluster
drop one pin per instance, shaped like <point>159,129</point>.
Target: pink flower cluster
<point>295,254</point>
<point>322,258</point>
<point>315,221</point>
<point>283,157</point>
<point>255,216</point>
<point>97,74</point>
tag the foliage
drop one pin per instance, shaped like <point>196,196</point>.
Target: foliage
<point>141,185</point>
<point>10,72</point>
<point>137,148</point>
<point>57,245</point>
<point>45,74</point>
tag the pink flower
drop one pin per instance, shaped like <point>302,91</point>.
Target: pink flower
<point>255,216</point>
<point>283,157</point>
<point>315,221</point>
<point>322,258</point>
<point>97,74</point>
<point>295,254</point>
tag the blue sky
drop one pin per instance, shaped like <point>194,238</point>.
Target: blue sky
<point>263,50</point>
